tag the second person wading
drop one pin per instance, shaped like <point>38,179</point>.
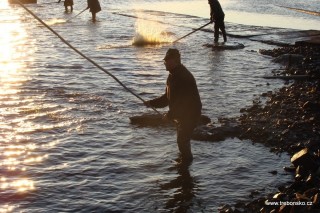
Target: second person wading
<point>94,6</point>
<point>217,16</point>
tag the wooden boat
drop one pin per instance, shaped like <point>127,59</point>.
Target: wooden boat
<point>23,1</point>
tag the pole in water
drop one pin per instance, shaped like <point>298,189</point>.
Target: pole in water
<point>192,32</point>
<point>76,15</point>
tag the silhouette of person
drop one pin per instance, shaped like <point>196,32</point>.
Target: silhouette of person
<point>67,3</point>
<point>217,16</point>
<point>183,99</point>
<point>94,6</point>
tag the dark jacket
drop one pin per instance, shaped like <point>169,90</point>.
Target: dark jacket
<point>216,11</point>
<point>68,3</point>
<point>94,6</point>
<point>181,95</point>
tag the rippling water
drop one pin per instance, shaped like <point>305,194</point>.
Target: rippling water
<point>65,138</point>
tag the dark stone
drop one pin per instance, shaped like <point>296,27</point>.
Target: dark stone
<point>300,197</point>
<point>228,129</point>
<point>311,192</point>
<point>240,205</point>
<point>289,169</point>
<point>285,209</point>
<point>305,159</point>
<point>311,106</point>
<point>279,196</point>
<point>273,172</point>
<point>316,200</point>
<point>289,59</point>
<point>225,209</point>
<point>301,172</point>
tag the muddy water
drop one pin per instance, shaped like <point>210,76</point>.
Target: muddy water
<point>65,138</point>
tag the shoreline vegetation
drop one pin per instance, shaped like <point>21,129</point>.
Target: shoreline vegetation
<point>287,120</point>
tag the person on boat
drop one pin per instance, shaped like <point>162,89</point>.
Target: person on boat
<point>66,4</point>
<point>217,16</point>
<point>183,99</point>
<point>94,6</point>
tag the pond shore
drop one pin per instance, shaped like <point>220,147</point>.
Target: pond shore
<point>288,120</point>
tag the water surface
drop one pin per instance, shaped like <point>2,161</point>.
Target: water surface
<point>65,138</point>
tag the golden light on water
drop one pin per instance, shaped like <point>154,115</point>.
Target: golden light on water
<point>13,51</point>
<point>148,32</point>
<point>9,66</point>
<point>6,208</point>
<point>16,151</point>
<point>56,21</point>
<point>20,185</point>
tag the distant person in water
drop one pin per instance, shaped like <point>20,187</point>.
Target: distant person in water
<point>67,3</point>
<point>182,97</point>
<point>217,16</point>
<point>94,6</point>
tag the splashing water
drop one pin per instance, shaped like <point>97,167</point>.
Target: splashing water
<point>150,33</point>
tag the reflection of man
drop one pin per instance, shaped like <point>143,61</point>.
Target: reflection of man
<point>183,99</point>
<point>217,16</point>
<point>185,188</point>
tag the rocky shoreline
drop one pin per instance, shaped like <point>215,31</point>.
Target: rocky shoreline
<point>288,120</point>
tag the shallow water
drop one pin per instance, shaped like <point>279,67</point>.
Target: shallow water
<point>65,138</point>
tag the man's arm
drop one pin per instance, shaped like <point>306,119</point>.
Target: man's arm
<point>159,102</point>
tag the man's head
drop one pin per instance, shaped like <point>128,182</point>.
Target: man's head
<point>172,59</point>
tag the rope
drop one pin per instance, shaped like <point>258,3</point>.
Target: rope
<point>81,54</point>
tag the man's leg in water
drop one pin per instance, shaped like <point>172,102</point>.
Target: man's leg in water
<point>184,133</point>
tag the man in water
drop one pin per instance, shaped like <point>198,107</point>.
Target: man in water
<point>183,99</point>
<point>67,3</point>
<point>94,6</point>
<point>217,16</point>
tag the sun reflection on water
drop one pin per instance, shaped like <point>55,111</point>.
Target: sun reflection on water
<point>12,52</point>
<point>16,150</point>
<point>9,66</point>
<point>6,208</point>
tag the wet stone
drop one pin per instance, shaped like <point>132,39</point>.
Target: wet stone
<point>304,159</point>
<point>289,59</point>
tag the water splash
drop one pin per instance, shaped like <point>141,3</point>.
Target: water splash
<point>150,33</point>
